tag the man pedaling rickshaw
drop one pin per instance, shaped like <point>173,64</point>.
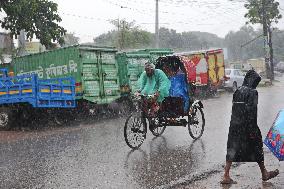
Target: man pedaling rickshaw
<point>154,82</point>
<point>161,84</point>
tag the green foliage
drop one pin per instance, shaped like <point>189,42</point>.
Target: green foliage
<point>254,49</point>
<point>185,41</point>
<point>70,39</point>
<point>256,10</point>
<point>37,17</point>
<point>107,39</point>
<point>235,41</point>
<point>278,45</point>
<point>188,41</point>
<point>129,36</point>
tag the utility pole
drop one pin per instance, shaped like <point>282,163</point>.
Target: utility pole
<point>265,39</point>
<point>118,34</point>
<point>157,35</point>
<point>122,34</point>
<point>120,31</point>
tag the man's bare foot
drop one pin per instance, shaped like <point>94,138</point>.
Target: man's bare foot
<point>228,181</point>
<point>270,175</point>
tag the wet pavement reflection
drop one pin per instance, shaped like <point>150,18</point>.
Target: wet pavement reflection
<point>163,164</point>
<point>90,157</point>
<point>27,163</point>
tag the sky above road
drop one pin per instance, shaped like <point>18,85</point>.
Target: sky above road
<point>90,18</point>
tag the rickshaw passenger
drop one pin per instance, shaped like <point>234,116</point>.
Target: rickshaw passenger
<point>179,88</point>
<point>154,82</point>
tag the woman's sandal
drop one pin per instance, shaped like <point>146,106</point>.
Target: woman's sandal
<point>271,174</point>
<point>231,181</point>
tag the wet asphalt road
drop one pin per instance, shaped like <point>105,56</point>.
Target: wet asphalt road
<point>96,156</point>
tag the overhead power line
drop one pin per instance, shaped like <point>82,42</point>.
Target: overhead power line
<point>210,13</point>
<point>245,44</point>
<point>127,5</point>
<point>215,8</point>
<point>142,23</point>
<point>84,17</point>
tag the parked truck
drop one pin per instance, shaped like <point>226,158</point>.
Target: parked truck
<point>206,69</point>
<point>20,95</point>
<point>94,69</point>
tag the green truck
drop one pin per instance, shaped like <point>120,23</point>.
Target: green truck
<point>94,68</point>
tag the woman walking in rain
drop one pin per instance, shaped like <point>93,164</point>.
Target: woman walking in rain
<point>244,139</point>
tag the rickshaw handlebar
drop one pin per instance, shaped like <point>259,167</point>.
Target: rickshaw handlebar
<point>139,96</point>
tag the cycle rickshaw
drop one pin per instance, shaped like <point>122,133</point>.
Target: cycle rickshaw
<point>171,113</point>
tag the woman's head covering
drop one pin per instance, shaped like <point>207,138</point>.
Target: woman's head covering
<point>149,65</point>
<point>252,79</point>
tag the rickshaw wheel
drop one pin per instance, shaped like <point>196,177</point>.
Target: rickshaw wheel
<point>155,127</point>
<point>135,130</point>
<point>196,123</point>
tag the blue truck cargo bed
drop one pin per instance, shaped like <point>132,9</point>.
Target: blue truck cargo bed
<point>51,93</point>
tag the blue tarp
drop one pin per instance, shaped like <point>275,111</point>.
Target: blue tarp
<point>179,88</point>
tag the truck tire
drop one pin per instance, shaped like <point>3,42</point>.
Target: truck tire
<point>7,118</point>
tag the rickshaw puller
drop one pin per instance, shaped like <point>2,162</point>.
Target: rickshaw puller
<point>154,82</point>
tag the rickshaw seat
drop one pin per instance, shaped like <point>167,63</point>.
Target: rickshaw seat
<point>173,106</point>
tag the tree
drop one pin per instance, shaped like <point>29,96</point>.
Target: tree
<point>256,10</point>
<point>187,41</point>
<point>278,43</point>
<point>234,41</point>
<point>128,35</point>
<point>70,39</point>
<point>36,17</point>
<point>264,12</point>
<point>107,39</point>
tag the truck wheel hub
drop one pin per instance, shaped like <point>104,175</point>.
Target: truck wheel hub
<point>3,119</point>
